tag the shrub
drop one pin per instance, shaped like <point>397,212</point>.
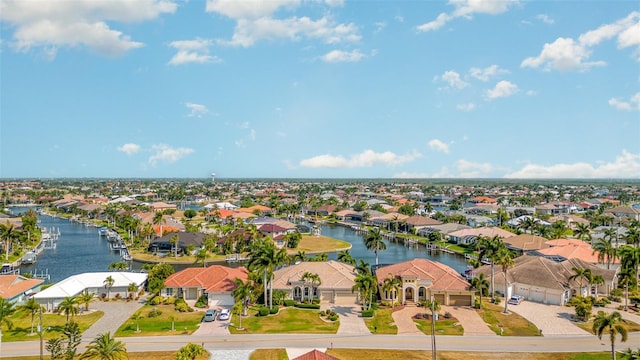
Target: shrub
<point>183,307</point>
<point>308,306</point>
<point>118,296</point>
<point>274,310</point>
<point>263,311</point>
<point>367,313</point>
<point>289,302</point>
<point>171,300</point>
<point>447,315</point>
<point>333,317</point>
<point>202,302</point>
<point>322,312</point>
<point>154,313</point>
<point>315,301</point>
<point>156,300</point>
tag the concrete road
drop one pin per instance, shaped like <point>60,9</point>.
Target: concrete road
<point>566,343</point>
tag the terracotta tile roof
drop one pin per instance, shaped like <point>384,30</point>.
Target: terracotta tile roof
<point>526,242</point>
<point>572,252</point>
<point>565,242</point>
<point>215,278</point>
<point>12,285</point>
<point>334,274</point>
<point>223,213</point>
<point>315,355</point>
<point>442,276</point>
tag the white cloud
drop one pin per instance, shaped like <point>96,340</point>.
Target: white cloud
<point>167,154</point>
<point>255,21</point>
<point>568,54</point>
<point>336,56</point>
<point>466,107</point>
<point>545,19</point>
<point>196,110</point>
<point>631,105</point>
<point>54,24</point>
<point>486,73</point>
<point>192,51</point>
<point>453,79</point>
<point>129,148</point>
<point>625,166</point>
<point>438,145</point>
<point>380,25</point>
<point>410,175</point>
<point>366,158</point>
<point>466,9</point>
<point>502,89</point>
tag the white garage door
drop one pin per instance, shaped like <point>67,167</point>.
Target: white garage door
<point>537,295</point>
<point>346,298</point>
<point>553,299</point>
<point>220,300</point>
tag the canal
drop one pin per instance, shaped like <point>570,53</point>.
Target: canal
<point>80,249</point>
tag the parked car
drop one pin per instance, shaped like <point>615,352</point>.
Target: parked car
<point>210,315</point>
<point>224,314</point>
<point>515,300</point>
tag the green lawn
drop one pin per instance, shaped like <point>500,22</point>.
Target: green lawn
<point>381,322</point>
<point>443,326</point>
<point>629,325</point>
<point>512,323</point>
<point>381,354</point>
<point>53,322</point>
<point>318,244</point>
<point>183,323</point>
<point>269,354</point>
<point>287,321</point>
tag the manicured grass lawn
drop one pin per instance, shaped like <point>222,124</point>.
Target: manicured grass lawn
<point>269,354</point>
<point>55,322</point>
<point>378,354</point>
<point>184,323</point>
<point>288,320</point>
<point>512,323</point>
<point>144,256</point>
<point>315,244</point>
<point>381,322</point>
<point>443,326</point>
<point>630,325</point>
<point>153,355</point>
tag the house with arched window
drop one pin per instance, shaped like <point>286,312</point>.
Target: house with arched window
<point>422,279</point>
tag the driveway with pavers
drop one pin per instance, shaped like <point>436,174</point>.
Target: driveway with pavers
<point>469,319</point>
<point>350,320</point>
<point>551,319</point>
<point>115,314</point>
<point>403,319</point>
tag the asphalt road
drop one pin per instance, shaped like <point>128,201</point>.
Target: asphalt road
<point>565,343</point>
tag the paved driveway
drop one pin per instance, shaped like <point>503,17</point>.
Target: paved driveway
<point>551,319</point>
<point>217,327</point>
<point>350,320</point>
<point>115,314</point>
<point>469,319</point>
<point>404,320</point>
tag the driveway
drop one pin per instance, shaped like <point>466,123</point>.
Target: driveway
<point>116,312</point>
<point>551,319</point>
<point>217,327</point>
<point>469,319</point>
<point>404,320</point>
<point>350,320</point>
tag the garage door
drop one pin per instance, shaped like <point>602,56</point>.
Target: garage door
<point>460,300</point>
<point>327,296</point>
<point>220,300</point>
<point>537,295</point>
<point>346,298</point>
<point>553,299</point>
<point>439,298</point>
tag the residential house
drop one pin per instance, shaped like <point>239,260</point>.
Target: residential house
<point>539,279</point>
<point>17,289</point>
<point>418,222</point>
<point>525,243</point>
<point>469,236</point>
<point>95,283</point>
<point>337,280</point>
<point>164,243</point>
<point>422,279</point>
<point>624,212</point>
<point>216,282</point>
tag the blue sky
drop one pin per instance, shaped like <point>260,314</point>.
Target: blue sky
<point>320,89</point>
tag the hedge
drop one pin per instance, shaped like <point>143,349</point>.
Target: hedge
<point>308,306</point>
<point>367,313</point>
<point>289,302</point>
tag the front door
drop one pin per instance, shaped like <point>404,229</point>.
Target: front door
<point>408,294</point>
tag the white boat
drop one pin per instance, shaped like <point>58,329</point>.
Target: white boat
<point>29,258</point>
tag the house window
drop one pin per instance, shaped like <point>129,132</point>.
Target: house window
<point>315,292</point>
<point>297,292</point>
<point>306,292</point>
<point>169,291</point>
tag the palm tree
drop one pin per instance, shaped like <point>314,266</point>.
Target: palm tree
<point>373,242</point>
<point>201,256</point>
<point>580,274</point>
<point>610,324</point>
<point>265,258</point>
<point>391,285</point>
<point>7,232</point>
<point>363,267</point>
<point>174,240</point>
<point>242,293</point>
<point>488,248</point>
<point>597,280</point>
<point>6,310</point>
<point>85,298</point>
<point>32,306</point>
<point>68,306</point>
<point>633,236</point>
<point>582,232</point>
<point>136,317</point>
<point>132,288</point>
<point>158,219</point>
<point>606,251</point>
<point>630,354</point>
<point>315,282</point>
<point>505,260</point>
<point>108,283</point>
<point>480,284</point>
<point>105,347</point>
<point>630,262</point>
<point>190,352</point>
<point>345,257</point>
<point>365,285</point>
<point>306,276</point>
<point>301,255</point>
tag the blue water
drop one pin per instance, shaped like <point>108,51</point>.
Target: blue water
<point>79,249</point>
<point>395,252</point>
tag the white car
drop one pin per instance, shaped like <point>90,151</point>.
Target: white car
<point>224,314</point>
<point>515,300</point>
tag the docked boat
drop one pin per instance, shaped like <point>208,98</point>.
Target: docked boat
<point>8,269</point>
<point>29,258</point>
<point>103,231</point>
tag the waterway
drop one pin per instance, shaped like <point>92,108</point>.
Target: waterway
<point>80,249</point>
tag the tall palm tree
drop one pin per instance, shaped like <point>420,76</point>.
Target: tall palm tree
<point>606,251</point>
<point>633,236</point>
<point>504,258</point>
<point>373,242</point>
<point>304,278</point>
<point>365,285</point>
<point>7,231</point>
<point>630,262</point>
<point>580,274</point>
<point>363,267</point>
<point>597,280</point>
<point>315,282</point>
<point>174,240</point>
<point>242,293</point>
<point>68,306</point>
<point>105,347</point>
<point>6,310</point>
<point>33,307</point>
<point>158,219</point>
<point>582,232</point>
<point>136,317</point>
<point>611,325</point>
<point>345,257</point>
<point>391,285</point>
<point>480,283</point>
<point>488,248</point>
<point>265,258</point>
<point>108,284</point>
<point>201,256</point>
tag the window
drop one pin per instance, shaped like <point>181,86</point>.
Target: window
<point>306,292</point>
<point>297,292</point>
<point>315,292</point>
<point>169,291</point>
